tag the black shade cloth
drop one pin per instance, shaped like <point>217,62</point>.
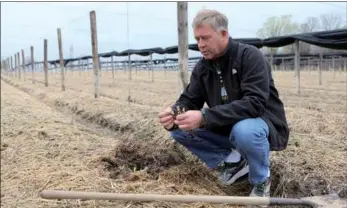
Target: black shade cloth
<point>334,39</point>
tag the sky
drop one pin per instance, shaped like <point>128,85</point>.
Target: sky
<point>149,24</point>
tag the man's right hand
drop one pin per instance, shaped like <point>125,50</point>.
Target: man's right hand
<point>166,118</point>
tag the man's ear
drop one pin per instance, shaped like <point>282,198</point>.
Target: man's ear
<point>224,33</point>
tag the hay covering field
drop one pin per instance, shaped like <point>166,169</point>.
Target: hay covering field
<point>71,141</point>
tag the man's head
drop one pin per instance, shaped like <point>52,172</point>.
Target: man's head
<point>211,33</point>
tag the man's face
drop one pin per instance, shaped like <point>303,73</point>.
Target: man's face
<point>210,42</point>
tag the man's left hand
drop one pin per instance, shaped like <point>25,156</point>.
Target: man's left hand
<point>189,120</point>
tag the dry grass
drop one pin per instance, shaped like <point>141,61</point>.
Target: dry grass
<point>53,141</point>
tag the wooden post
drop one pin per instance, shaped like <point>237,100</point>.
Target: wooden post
<point>334,66</point>
<point>297,65</point>
<point>45,62</point>
<point>94,40</point>
<point>136,68</point>
<point>11,66</point>
<point>32,63</point>
<point>320,65</point>
<point>4,66</point>
<point>62,70</point>
<point>100,67</point>
<point>7,66</point>
<point>15,66</point>
<point>7,69</point>
<point>182,18</point>
<point>80,67</point>
<point>112,66</point>
<point>129,67</point>
<point>151,57</point>
<point>164,65</point>
<point>149,65</point>
<point>23,65</point>
<point>18,65</point>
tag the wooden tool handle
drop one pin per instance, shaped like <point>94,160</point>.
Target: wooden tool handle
<point>235,200</point>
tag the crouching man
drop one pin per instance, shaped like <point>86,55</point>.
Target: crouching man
<point>245,118</point>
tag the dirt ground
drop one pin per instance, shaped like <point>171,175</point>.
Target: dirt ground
<point>71,141</point>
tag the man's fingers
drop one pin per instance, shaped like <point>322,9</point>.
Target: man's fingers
<point>168,124</point>
<point>182,116</point>
<point>185,127</point>
<point>166,119</point>
<point>166,112</point>
<point>182,122</point>
<point>163,114</point>
<point>169,111</point>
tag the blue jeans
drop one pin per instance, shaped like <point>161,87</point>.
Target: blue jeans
<point>249,137</point>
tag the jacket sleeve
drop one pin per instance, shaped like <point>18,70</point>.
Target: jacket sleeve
<point>254,88</point>
<point>191,98</point>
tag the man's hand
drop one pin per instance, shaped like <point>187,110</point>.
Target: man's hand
<point>189,120</point>
<point>166,118</point>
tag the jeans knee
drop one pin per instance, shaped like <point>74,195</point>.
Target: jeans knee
<point>248,133</point>
<point>241,135</point>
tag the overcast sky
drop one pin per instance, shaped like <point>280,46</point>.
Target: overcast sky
<point>151,24</point>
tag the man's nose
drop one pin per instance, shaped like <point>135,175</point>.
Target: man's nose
<point>201,44</point>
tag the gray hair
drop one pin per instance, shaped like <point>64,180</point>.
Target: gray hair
<point>215,19</point>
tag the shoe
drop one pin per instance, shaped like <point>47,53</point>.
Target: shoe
<point>261,190</point>
<point>230,172</point>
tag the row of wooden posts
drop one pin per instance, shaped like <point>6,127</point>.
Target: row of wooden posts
<point>183,51</point>
<point>332,64</point>
<point>6,63</point>
<point>18,73</point>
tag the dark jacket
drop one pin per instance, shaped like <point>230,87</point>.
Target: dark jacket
<point>250,88</point>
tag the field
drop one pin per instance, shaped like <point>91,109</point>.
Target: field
<point>70,141</point>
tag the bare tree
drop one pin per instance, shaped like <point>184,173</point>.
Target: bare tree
<point>328,21</point>
<point>310,25</point>
<point>277,26</point>
<point>331,21</point>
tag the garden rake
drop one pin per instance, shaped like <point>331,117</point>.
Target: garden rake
<point>325,201</point>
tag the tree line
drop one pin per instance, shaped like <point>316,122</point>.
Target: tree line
<point>284,25</point>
